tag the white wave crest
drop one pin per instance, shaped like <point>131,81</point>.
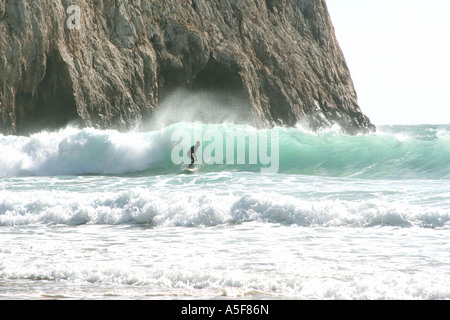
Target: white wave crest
<point>162,209</point>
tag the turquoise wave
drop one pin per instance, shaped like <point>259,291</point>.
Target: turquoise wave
<point>393,152</point>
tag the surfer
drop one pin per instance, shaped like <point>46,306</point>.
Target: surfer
<point>191,154</point>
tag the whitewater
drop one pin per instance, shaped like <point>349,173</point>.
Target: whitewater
<point>102,214</point>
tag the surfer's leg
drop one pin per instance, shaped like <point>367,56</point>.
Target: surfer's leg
<point>192,161</point>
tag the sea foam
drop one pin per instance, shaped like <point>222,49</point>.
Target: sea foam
<point>139,206</point>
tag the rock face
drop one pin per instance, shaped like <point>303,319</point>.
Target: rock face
<point>278,58</point>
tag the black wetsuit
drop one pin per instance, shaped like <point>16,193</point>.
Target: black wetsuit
<point>192,155</point>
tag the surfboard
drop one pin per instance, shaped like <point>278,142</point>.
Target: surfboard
<point>188,170</point>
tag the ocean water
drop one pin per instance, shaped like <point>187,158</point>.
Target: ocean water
<point>100,214</point>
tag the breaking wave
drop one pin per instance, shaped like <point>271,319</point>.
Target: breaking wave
<point>140,206</point>
<point>398,152</point>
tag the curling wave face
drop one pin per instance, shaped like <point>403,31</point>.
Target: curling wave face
<point>406,152</point>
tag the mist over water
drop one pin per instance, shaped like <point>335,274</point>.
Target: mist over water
<point>202,106</point>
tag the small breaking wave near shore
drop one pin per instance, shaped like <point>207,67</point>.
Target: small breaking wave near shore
<point>176,203</point>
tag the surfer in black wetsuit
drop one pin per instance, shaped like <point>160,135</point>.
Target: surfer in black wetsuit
<point>191,154</point>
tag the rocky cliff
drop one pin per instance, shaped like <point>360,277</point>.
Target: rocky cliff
<point>112,63</point>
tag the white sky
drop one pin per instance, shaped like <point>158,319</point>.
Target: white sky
<point>398,52</point>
